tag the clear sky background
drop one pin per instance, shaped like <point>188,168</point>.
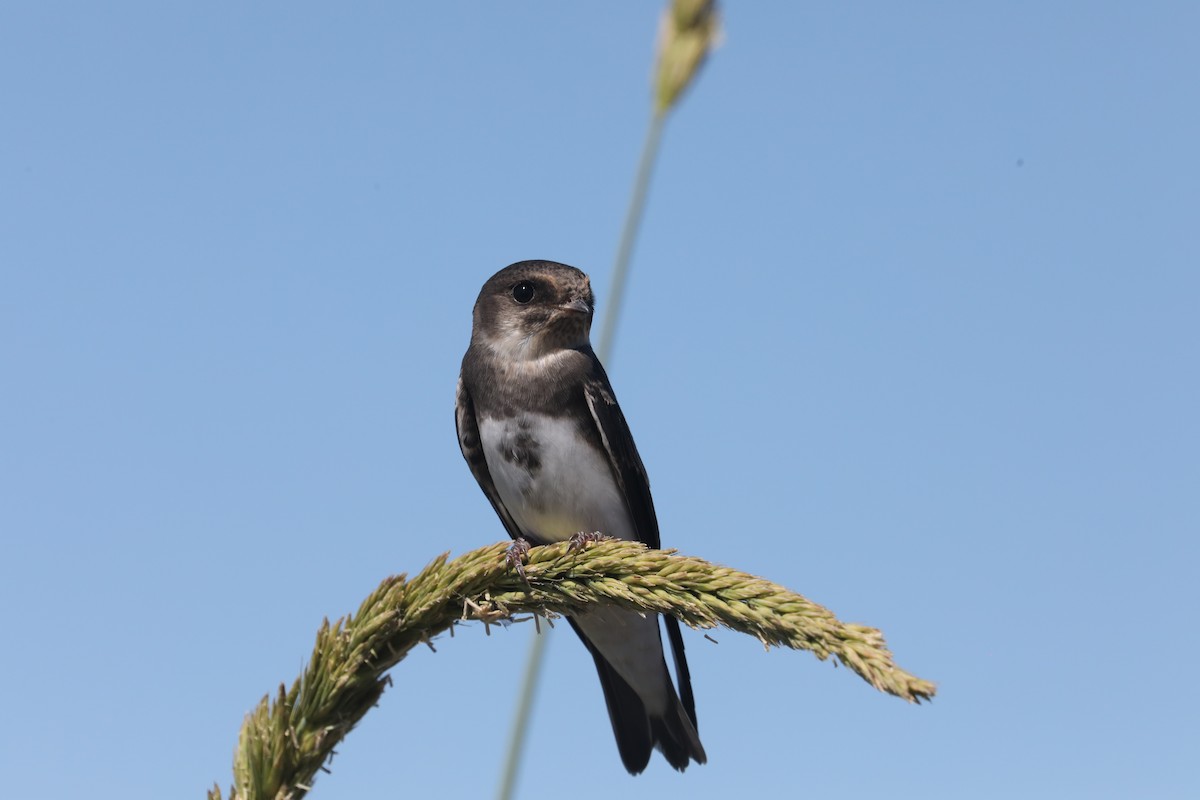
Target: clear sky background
<point>912,329</point>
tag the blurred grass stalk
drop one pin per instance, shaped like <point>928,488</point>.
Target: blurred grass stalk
<point>688,30</point>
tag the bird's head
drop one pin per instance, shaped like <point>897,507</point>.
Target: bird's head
<point>532,309</point>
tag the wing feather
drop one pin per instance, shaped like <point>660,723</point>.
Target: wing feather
<point>635,486</point>
<point>472,450</point>
<point>622,454</point>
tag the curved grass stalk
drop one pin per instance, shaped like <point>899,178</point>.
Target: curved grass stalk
<point>286,740</point>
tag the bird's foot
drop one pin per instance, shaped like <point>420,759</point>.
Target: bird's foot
<point>514,557</point>
<point>580,540</point>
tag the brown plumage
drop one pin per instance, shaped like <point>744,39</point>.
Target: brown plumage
<point>541,430</point>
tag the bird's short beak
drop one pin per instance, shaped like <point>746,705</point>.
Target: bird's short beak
<point>578,304</point>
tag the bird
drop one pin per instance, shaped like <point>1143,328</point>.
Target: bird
<point>540,428</point>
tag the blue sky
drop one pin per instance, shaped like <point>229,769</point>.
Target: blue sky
<point>912,329</point>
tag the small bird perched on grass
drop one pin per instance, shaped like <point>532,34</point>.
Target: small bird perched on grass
<point>541,430</point>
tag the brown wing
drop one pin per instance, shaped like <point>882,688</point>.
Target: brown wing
<point>622,454</point>
<point>472,450</point>
<point>635,486</point>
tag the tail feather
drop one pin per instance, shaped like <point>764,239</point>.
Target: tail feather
<point>631,726</point>
<point>681,670</point>
<point>677,739</point>
<point>637,731</point>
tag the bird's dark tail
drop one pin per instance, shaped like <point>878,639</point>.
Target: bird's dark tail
<point>637,731</point>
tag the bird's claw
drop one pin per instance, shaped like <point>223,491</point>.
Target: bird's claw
<point>514,557</point>
<point>581,539</point>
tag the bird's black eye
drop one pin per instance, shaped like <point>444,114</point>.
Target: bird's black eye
<point>523,292</point>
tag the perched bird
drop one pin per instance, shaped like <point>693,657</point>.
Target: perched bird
<point>543,435</point>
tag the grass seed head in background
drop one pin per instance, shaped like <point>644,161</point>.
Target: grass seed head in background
<point>688,31</point>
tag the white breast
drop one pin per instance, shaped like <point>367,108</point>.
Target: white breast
<point>572,488</point>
